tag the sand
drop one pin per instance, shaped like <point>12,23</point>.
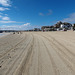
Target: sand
<point>38,53</point>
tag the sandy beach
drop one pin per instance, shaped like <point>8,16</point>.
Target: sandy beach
<point>38,53</point>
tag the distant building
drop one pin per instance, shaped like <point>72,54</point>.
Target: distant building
<point>43,27</point>
<point>61,25</point>
<point>36,29</point>
<point>58,26</point>
<point>68,26</point>
<point>47,28</point>
<point>73,27</point>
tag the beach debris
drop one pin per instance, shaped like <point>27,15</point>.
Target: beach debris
<point>0,66</point>
<point>10,57</point>
<point>2,61</point>
<point>8,54</point>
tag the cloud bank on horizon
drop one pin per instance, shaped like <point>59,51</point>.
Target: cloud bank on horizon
<point>26,26</point>
<point>15,27</point>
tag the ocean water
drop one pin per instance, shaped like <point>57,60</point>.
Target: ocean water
<point>3,34</point>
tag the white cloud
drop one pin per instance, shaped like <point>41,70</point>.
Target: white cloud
<point>50,12</point>
<point>3,9</point>
<point>7,21</point>
<point>16,27</point>
<point>5,18</point>
<point>7,27</point>
<point>71,18</point>
<point>41,14</point>
<point>1,13</point>
<point>6,14</point>
<point>5,2</point>
<point>26,24</point>
<point>0,16</point>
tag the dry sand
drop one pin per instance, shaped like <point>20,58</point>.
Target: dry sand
<point>38,53</point>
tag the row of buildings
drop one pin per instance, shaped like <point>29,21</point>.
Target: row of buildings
<point>57,27</point>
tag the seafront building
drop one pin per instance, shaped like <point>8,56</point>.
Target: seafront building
<point>58,26</point>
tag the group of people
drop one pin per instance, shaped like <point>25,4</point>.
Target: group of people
<point>17,32</point>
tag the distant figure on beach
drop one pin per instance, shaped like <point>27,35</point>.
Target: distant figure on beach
<point>20,32</point>
<point>13,32</point>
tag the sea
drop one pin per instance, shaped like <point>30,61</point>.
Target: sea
<point>3,34</point>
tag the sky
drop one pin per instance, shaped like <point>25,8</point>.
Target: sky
<point>29,14</point>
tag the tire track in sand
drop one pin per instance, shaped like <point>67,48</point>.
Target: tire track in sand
<point>18,59</point>
<point>65,58</point>
<point>12,48</point>
<point>25,64</point>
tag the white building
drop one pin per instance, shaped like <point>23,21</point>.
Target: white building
<point>65,26</point>
<point>62,26</point>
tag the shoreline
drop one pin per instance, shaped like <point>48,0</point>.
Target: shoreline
<point>3,34</point>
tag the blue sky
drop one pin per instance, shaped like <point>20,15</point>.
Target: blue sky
<point>28,14</point>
